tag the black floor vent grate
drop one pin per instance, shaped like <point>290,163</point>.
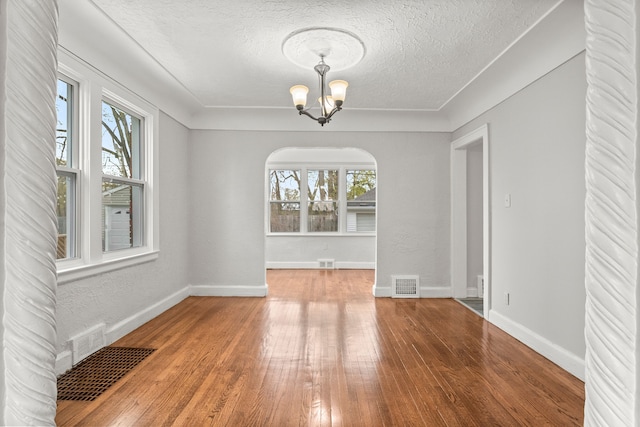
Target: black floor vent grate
<point>91,377</point>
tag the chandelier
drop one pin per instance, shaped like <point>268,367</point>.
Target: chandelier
<point>329,104</point>
<point>342,48</point>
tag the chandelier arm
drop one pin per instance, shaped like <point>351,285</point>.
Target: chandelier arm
<point>322,119</point>
<point>306,113</point>
<point>335,110</point>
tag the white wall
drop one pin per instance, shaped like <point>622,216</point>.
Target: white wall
<point>227,222</point>
<point>537,154</point>
<point>126,298</point>
<point>474,216</point>
<point>304,251</point>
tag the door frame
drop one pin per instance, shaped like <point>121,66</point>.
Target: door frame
<point>459,148</point>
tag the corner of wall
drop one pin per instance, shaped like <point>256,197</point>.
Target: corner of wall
<point>555,39</point>
<point>65,358</point>
<point>568,361</point>
<point>381,292</point>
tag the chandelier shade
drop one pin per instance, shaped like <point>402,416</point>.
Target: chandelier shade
<point>299,95</point>
<point>338,89</point>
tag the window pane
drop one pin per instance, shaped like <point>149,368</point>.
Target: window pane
<point>64,110</point>
<point>66,192</point>
<point>285,185</point>
<point>65,213</point>
<point>120,143</point>
<point>122,216</point>
<point>361,200</point>
<point>284,193</point>
<point>285,217</point>
<point>323,200</point>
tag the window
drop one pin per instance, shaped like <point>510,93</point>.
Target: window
<point>338,199</point>
<point>361,200</point>
<point>284,200</point>
<point>66,170</point>
<point>106,155</point>
<point>322,215</point>
<point>122,187</point>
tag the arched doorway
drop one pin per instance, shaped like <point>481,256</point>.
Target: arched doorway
<point>320,209</point>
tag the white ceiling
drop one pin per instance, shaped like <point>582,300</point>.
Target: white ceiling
<point>419,53</point>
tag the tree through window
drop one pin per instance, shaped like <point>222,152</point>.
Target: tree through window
<point>323,196</point>
<point>66,171</point>
<point>122,187</point>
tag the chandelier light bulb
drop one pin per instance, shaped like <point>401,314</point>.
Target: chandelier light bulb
<point>328,102</point>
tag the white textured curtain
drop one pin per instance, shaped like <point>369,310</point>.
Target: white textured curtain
<point>611,327</point>
<point>27,215</point>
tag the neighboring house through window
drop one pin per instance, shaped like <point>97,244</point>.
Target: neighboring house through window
<point>122,186</point>
<point>361,201</point>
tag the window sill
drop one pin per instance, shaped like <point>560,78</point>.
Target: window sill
<point>70,271</point>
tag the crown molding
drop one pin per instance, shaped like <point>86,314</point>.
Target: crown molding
<point>347,120</point>
<point>555,39</point>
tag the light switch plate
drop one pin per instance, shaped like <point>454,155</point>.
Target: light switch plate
<point>507,200</point>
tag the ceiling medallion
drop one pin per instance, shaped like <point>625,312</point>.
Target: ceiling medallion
<point>311,46</point>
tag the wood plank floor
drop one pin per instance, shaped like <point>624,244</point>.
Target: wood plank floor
<point>321,351</point>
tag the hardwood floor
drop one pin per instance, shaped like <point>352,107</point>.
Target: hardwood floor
<point>321,351</point>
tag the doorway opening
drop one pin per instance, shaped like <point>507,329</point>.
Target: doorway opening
<point>320,209</point>
<point>470,255</point>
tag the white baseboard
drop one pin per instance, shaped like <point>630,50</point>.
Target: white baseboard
<point>472,292</point>
<point>307,265</point>
<point>129,324</point>
<point>381,292</point>
<point>425,291</point>
<point>227,291</point>
<point>436,292</point>
<point>64,362</point>
<point>354,265</point>
<point>558,355</point>
<point>275,265</point>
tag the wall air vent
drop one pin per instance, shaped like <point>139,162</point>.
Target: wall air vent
<point>88,342</point>
<point>405,287</point>
<point>326,263</point>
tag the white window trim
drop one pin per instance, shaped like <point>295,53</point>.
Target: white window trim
<point>342,169</point>
<point>93,87</point>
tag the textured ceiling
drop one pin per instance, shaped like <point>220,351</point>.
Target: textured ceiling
<point>419,53</point>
